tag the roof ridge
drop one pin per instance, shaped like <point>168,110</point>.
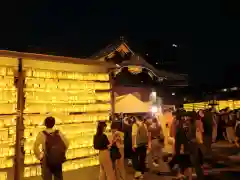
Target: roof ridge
<point>110,48</point>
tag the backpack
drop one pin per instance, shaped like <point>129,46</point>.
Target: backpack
<point>142,135</point>
<point>55,149</point>
<point>185,127</point>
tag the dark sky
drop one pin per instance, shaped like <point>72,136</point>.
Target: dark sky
<point>207,35</point>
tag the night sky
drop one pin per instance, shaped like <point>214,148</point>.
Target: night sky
<point>207,35</point>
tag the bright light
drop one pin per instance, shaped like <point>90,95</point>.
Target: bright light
<point>154,94</point>
<point>234,88</point>
<point>224,90</point>
<point>173,94</point>
<point>154,109</point>
<point>160,110</point>
<point>174,45</point>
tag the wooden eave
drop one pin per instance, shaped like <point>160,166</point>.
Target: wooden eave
<point>139,61</point>
<point>51,58</point>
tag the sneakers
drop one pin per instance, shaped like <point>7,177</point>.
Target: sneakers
<point>129,162</point>
<point>155,164</point>
<point>138,175</point>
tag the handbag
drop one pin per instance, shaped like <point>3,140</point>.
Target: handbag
<point>115,153</point>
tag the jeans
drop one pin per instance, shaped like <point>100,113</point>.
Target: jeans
<point>49,172</point>
<point>230,134</point>
<point>106,166</point>
<point>193,149</point>
<point>156,152</point>
<point>214,136</point>
<point>119,166</point>
<point>196,160</point>
<point>207,141</point>
<point>207,152</point>
<point>139,158</point>
<point>207,149</point>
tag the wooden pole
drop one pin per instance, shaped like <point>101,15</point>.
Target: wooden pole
<point>19,156</point>
<point>112,97</point>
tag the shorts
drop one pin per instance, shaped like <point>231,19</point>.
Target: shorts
<point>184,161</point>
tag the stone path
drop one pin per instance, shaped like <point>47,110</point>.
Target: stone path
<point>219,173</point>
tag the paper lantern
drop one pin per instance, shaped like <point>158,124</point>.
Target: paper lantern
<point>135,69</point>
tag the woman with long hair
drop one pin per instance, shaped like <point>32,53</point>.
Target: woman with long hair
<point>116,138</point>
<point>102,144</point>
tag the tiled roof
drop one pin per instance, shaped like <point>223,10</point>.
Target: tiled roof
<point>138,60</point>
<point>121,46</point>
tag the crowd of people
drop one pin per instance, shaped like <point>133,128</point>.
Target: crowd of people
<point>143,138</point>
<point>227,128</point>
<point>140,139</point>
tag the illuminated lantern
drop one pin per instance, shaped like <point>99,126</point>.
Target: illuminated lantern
<point>135,69</point>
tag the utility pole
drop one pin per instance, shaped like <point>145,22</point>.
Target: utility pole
<point>19,146</point>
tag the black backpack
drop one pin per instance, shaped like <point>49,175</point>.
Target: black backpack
<point>185,128</point>
<point>55,149</point>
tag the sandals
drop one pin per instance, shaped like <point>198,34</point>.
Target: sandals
<point>181,177</point>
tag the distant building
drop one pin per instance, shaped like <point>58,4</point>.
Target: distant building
<point>124,57</point>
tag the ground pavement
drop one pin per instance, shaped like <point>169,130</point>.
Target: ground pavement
<point>92,174</point>
<point>219,172</point>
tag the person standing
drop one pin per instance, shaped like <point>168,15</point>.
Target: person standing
<point>140,143</point>
<point>127,129</point>
<point>207,121</point>
<point>215,127</point>
<point>221,126</point>
<point>116,138</point>
<point>101,143</point>
<point>52,154</point>
<point>157,142</point>
<point>206,149</point>
<point>230,122</point>
<point>237,129</point>
<point>177,132</point>
<point>199,126</point>
<point>185,134</point>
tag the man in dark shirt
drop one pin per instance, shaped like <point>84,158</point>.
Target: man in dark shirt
<point>208,129</point>
<point>185,136</point>
<point>157,142</point>
<point>208,122</point>
<point>179,137</point>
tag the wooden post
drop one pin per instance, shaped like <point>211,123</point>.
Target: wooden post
<point>19,150</point>
<point>112,97</point>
